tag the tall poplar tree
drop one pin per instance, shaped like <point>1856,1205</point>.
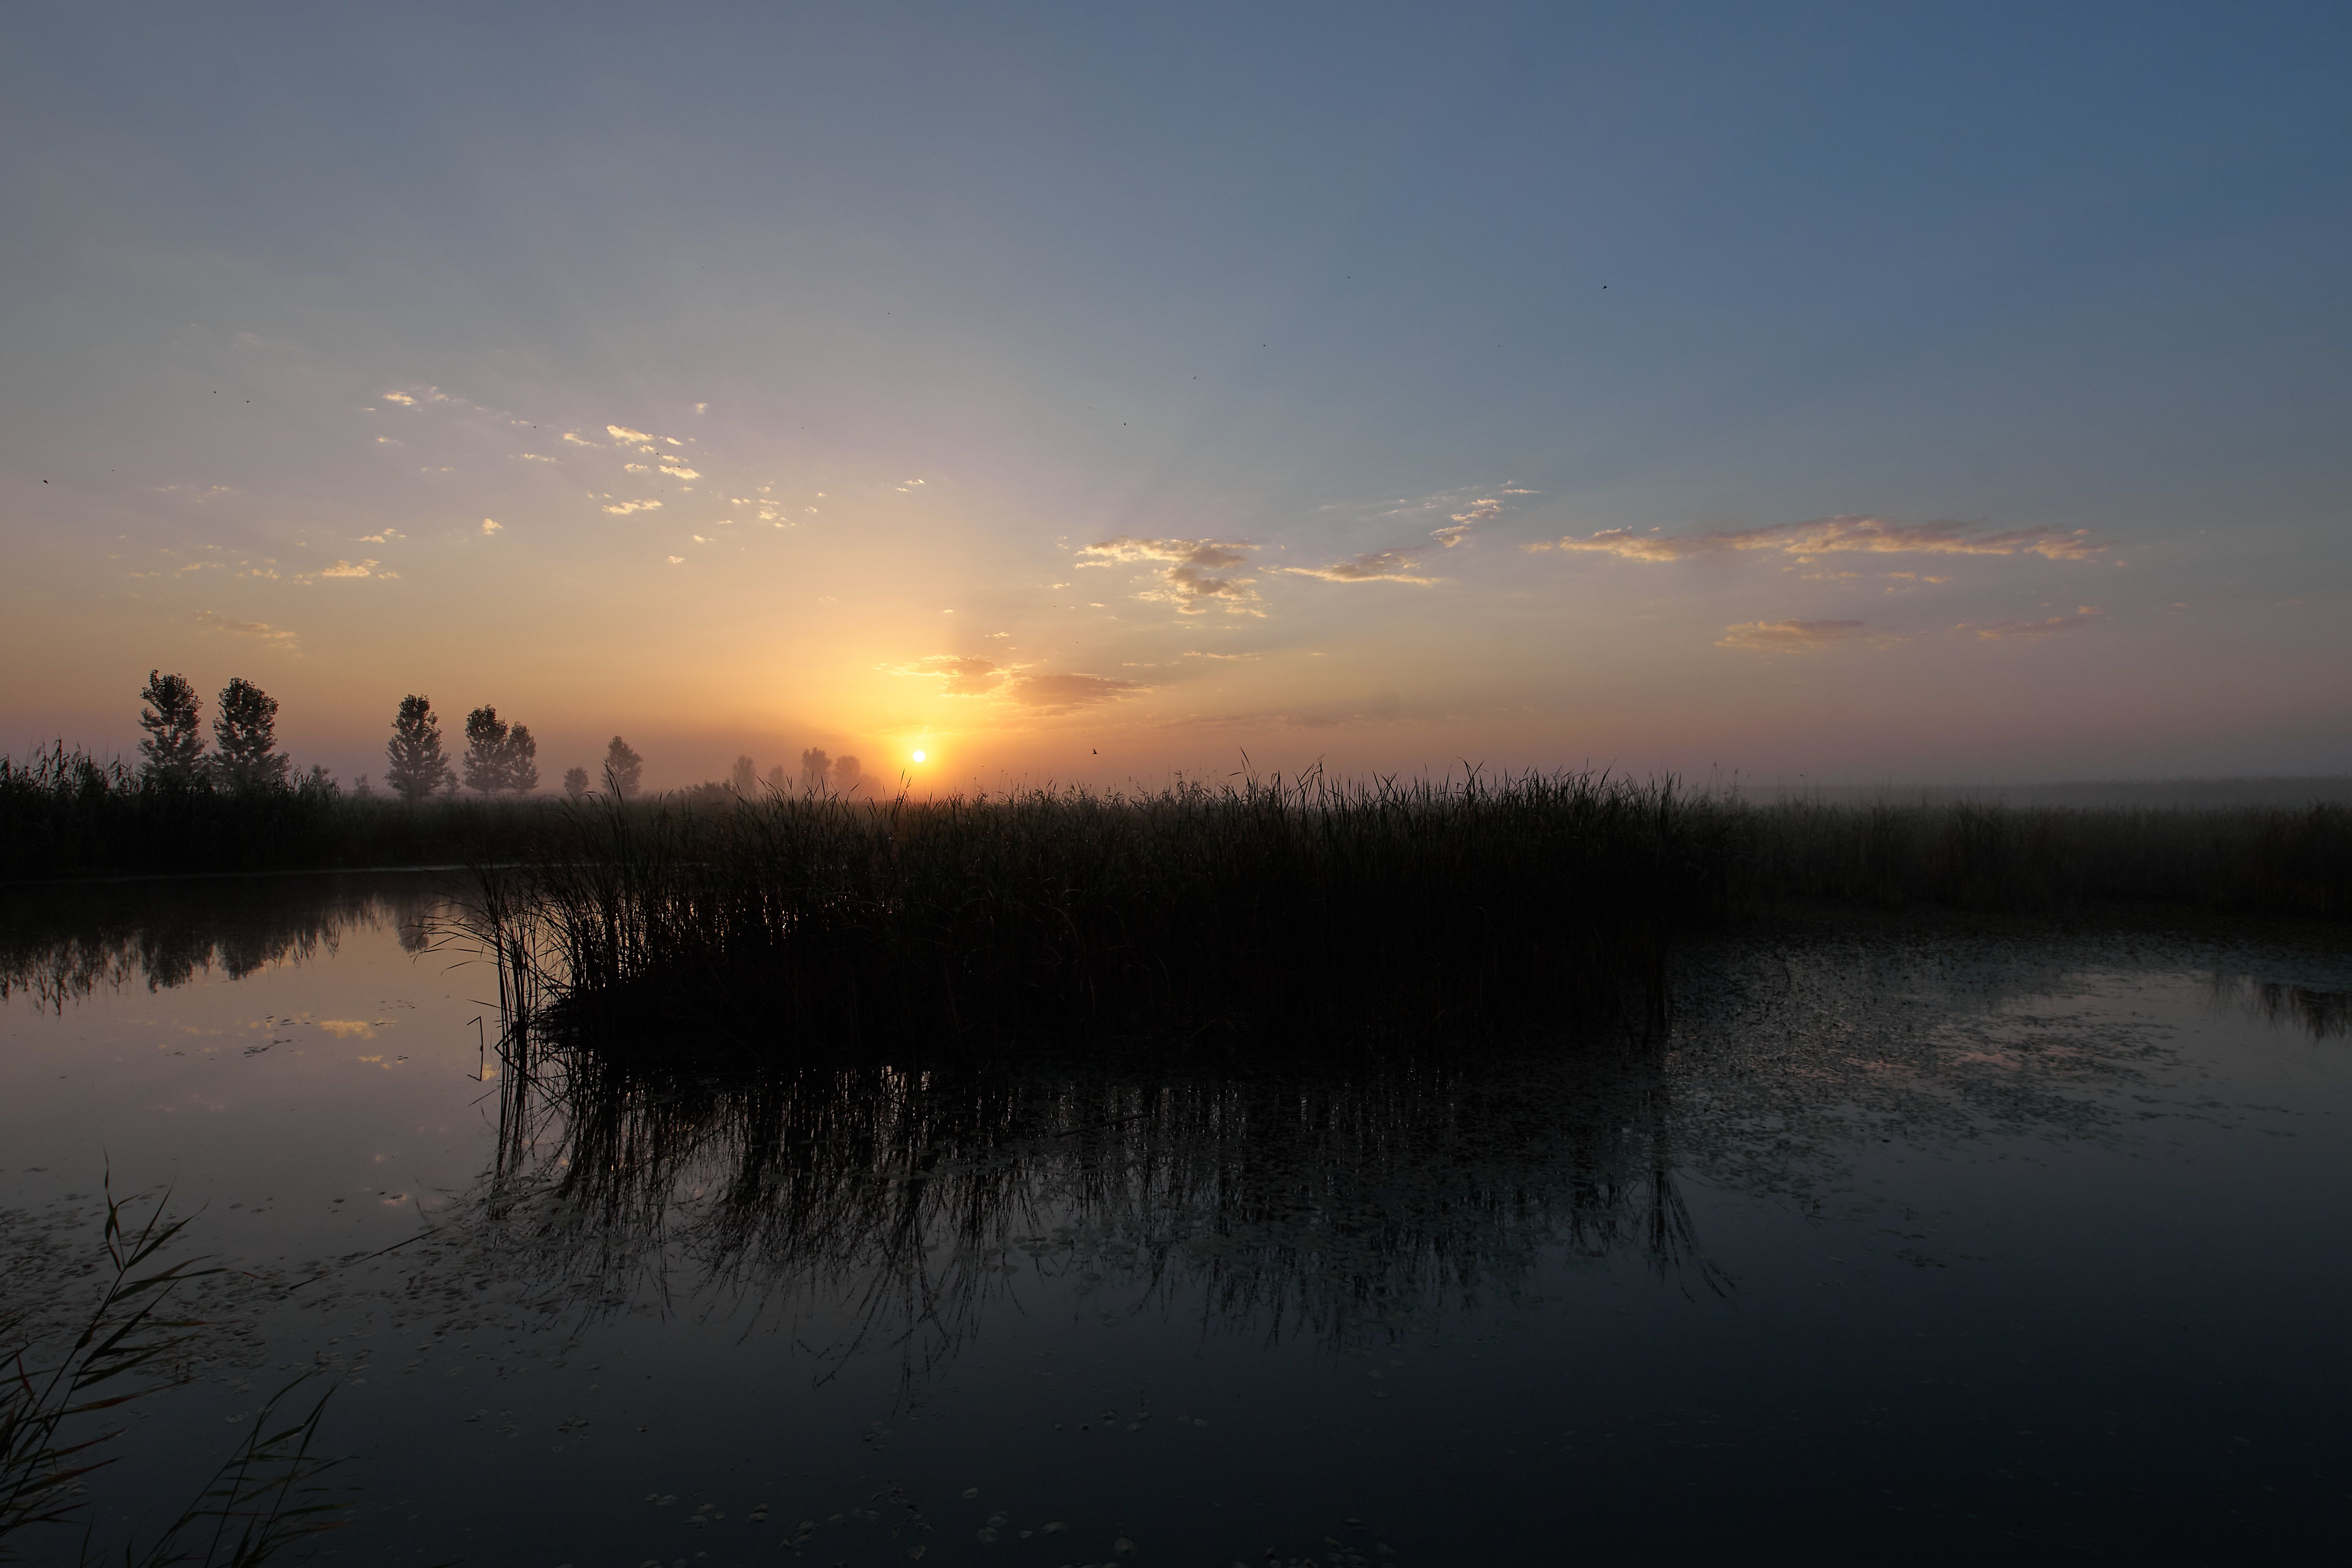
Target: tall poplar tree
<point>245,739</point>
<point>413,765</point>
<point>173,749</point>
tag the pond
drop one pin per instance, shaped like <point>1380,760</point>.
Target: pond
<point>1915,1244</point>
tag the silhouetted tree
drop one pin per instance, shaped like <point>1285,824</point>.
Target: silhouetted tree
<point>413,765</point>
<point>499,756</point>
<point>245,739</point>
<point>845,774</point>
<point>362,789</point>
<point>776,780</point>
<point>623,768</point>
<point>523,760</point>
<point>814,765</point>
<point>175,746</point>
<point>744,776</point>
<point>575,781</point>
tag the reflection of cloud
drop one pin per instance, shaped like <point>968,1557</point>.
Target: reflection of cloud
<point>1788,636</point>
<point>964,677</point>
<point>624,508</point>
<point>261,631</point>
<point>1197,577</point>
<point>1372,566</point>
<point>2082,617</point>
<point>1830,535</point>
<point>1067,693</point>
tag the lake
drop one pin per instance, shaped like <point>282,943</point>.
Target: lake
<point>1920,1244</point>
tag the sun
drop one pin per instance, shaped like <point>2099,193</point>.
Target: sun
<point>919,756</point>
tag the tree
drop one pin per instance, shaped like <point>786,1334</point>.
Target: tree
<point>744,776</point>
<point>813,764</point>
<point>413,765</point>
<point>776,780</point>
<point>623,768</point>
<point>245,739</point>
<point>846,772</point>
<point>575,781</point>
<point>499,756</point>
<point>523,760</point>
<point>175,746</point>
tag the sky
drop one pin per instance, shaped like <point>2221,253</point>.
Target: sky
<point>1885,392</point>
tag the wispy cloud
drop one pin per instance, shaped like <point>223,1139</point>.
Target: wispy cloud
<point>623,433</point>
<point>1835,535</point>
<point>1789,636</point>
<point>350,569</point>
<point>624,509</point>
<point>1068,693</point>
<point>489,527</point>
<point>966,676</point>
<point>1396,565</point>
<point>579,440</point>
<point>679,471</point>
<point>261,631</point>
<point>1196,575</point>
<point>2082,617</point>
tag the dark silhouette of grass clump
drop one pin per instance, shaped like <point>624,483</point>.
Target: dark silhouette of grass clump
<point>796,920</point>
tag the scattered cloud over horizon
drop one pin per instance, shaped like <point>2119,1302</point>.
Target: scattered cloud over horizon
<point>967,676</point>
<point>1788,636</point>
<point>1198,575</point>
<point>1834,535</point>
<point>1396,565</point>
<point>2082,617</point>
<point>623,433</point>
<point>624,509</point>
<point>261,631</point>
<point>350,569</point>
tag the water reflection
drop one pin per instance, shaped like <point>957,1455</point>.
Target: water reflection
<point>2302,1009</point>
<point>60,942</point>
<point>1345,1204</point>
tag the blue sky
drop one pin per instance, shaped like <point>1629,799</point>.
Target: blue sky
<point>1246,358</point>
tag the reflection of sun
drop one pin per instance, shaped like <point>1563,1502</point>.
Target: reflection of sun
<point>919,756</point>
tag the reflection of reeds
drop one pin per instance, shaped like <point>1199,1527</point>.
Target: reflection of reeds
<point>1334,1202</point>
<point>2322,1015</point>
<point>795,923</point>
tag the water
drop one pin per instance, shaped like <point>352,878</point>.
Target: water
<point>1913,1246</point>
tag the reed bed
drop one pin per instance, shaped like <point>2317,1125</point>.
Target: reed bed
<point>796,923</point>
<point>67,814</point>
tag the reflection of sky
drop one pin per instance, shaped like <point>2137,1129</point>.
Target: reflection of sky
<point>1089,394</point>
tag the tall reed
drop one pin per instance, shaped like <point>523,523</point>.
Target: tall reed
<point>796,922</point>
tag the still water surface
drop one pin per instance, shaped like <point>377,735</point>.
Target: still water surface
<point>1920,1247</point>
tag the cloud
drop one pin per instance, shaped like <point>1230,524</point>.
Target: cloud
<point>261,631</point>
<point>1788,636</point>
<point>579,440</point>
<point>533,458</point>
<point>2082,617</point>
<point>490,527</point>
<point>398,398</point>
<point>623,433</point>
<point>965,677</point>
<point>677,559</point>
<point>1068,693</point>
<point>1198,578</point>
<point>677,472</point>
<point>1835,535</point>
<point>627,506</point>
<point>350,569</point>
<point>1373,566</point>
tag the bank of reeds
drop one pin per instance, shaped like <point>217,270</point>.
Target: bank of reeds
<point>1313,906</point>
<point>1274,905</point>
<point>67,814</point>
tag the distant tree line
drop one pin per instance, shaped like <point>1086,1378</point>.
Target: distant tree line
<point>501,757</point>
